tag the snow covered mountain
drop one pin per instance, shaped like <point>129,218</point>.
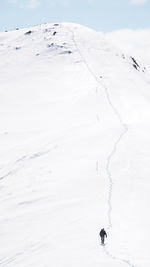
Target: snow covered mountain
<point>133,42</point>
<point>75,150</point>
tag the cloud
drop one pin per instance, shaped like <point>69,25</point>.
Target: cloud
<point>25,3</point>
<point>138,2</point>
<point>54,3</point>
<point>33,4</point>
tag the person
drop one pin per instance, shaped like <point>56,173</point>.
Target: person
<point>102,235</point>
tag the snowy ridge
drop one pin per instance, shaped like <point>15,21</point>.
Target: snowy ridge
<point>74,150</point>
<point>125,129</point>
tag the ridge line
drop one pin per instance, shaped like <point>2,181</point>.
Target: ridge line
<point>125,130</point>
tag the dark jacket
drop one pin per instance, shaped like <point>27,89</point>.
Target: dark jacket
<point>102,233</point>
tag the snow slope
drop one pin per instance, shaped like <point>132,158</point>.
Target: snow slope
<point>133,42</point>
<point>75,149</point>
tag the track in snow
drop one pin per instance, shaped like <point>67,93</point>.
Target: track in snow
<point>18,164</point>
<point>112,153</point>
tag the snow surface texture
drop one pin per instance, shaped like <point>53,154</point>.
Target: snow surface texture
<point>75,150</point>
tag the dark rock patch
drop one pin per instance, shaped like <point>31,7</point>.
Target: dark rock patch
<point>28,33</point>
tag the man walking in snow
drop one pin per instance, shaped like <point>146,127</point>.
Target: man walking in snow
<point>102,235</point>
